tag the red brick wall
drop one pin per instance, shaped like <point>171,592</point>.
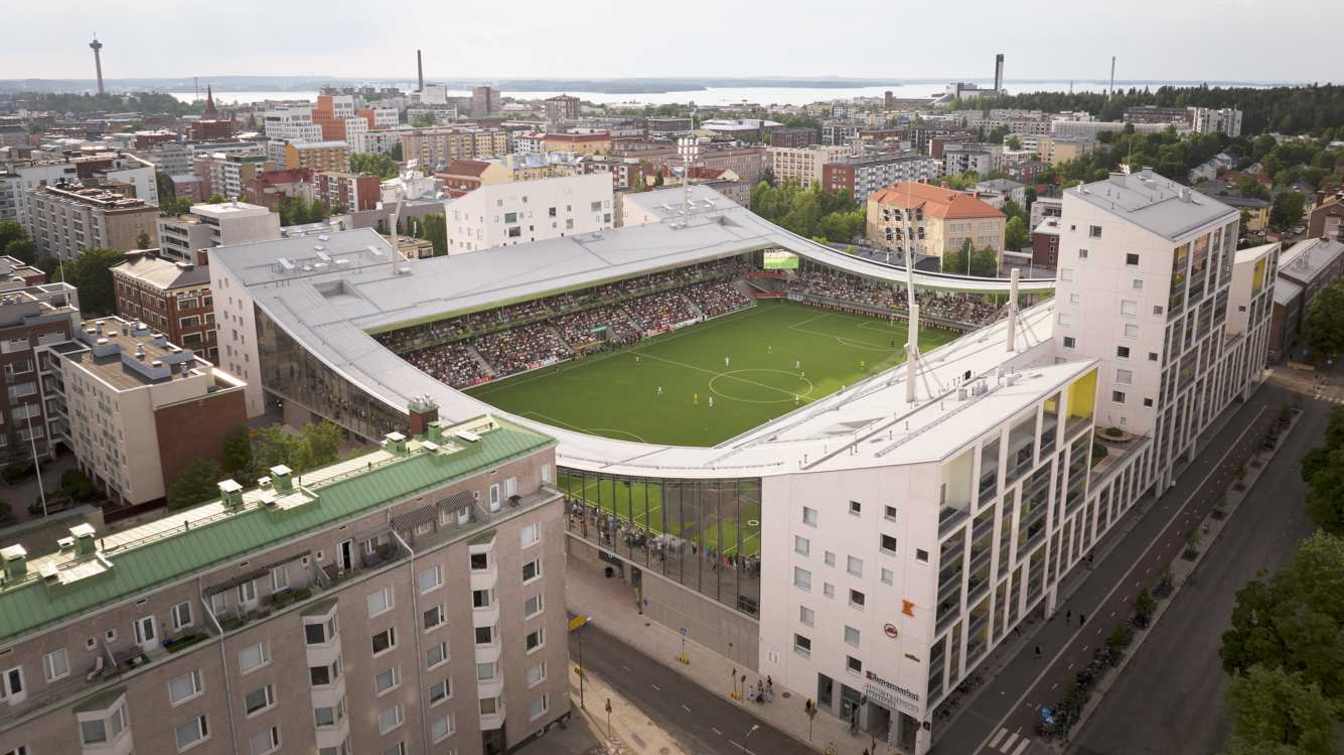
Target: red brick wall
<point>195,429</point>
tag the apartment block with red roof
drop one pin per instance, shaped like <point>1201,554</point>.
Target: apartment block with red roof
<point>939,220</point>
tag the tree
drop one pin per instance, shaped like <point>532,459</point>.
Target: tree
<point>175,206</point>
<point>1271,708</point>
<point>315,445</point>
<point>197,483</point>
<point>91,273</point>
<point>1323,327</point>
<point>1325,491</point>
<point>142,241</point>
<point>236,451</point>
<point>1287,210</point>
<point>167,189</point>
<point>11,231</point>
<point>1015,234</point>
<point>22,250</point>
<point>395,153</point>
<point>382,166</point>
<point>434,228</point>
<point>422,120</point>
<point>1013,142</point>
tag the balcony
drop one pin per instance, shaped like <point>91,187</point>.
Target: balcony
<point>492,721</point>
<point>949,517</point>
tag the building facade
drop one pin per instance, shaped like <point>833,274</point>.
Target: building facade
<point>318,156</point>
<point>408,600</point>
<point>436,147</point>
<point>210,225</point>
<point>803,165</point>
<point>66,219</point>
<point>1326,220</point>
<point>170,295</point>
<point>861,176</point>
<point>348,191</point>
<point>938,220</point>
<point>526,211</point>
<point>34,316</point>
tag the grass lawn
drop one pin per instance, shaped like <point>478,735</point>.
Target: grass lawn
<point>779,355</point>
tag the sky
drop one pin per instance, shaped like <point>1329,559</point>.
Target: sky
<point>1219,40</point>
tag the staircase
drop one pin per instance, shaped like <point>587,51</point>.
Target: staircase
<point>485,366</point>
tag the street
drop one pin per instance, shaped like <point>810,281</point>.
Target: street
<point>1003,717</point>
<point>1183,712</point>
<point>706,723</point>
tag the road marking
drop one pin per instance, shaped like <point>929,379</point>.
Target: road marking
<point>656,688</point>
<point>1052,687</point>
<point>995,741</point>
<point>1022,747</point>
<point>627,668</point>
<point>716,731</point>
<point>740,747</point>
<point>1142,556</point>
<point>683,707</point>
<point>1069,668</point>
<point>1008,743</point>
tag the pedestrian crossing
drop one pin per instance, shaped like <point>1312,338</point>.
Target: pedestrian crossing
<point>1010,743</point>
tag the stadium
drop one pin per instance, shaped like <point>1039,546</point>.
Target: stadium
<point>717,386</point>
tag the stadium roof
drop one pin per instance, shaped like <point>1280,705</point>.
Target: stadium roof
<point>329,292</point>
<point>1152,202</point>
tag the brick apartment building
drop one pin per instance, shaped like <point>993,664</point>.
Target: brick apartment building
<point>348,191</point>
<point>170,295</point>
<point>33,316</point>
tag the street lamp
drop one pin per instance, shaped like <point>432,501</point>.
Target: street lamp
<point>32,440</point>
<point>575,625</point>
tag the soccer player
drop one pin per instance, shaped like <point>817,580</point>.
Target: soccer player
<point>797,364</point>
<point>711,402</point>
<point>795,399</point>
<point>660,390</point>
<point>725,361</point>
<point>636,359</point>
<point>696,398</point>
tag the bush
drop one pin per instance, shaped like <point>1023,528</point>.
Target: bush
<point>1120,637</point>
<point>17,471</point>
<point>1164,586</point>
<point>74,484</point>
<point>1144,606</point>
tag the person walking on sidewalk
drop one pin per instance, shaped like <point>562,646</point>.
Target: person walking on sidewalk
<point>1038,651</point>
<point>1082,618</point>
<point>1068,614</point>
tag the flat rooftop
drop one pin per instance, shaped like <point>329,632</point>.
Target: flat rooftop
<point>1305,260</point>
<point>1158,204</point>
<point>127,355</point>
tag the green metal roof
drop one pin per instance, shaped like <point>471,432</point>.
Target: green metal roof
<point>28,606</point>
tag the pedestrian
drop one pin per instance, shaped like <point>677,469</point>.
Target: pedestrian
<point>1068,614</point>
<point>725,361</point>
<point>1082,618</point>
<point>711,402</point>
<point>660,390</point>
<point>1038,651</point>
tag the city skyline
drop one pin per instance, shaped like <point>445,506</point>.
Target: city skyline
<point>537,42</point>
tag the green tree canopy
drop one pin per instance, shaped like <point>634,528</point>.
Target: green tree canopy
<point>1323,327</point>
<point>91,273</point>
<point>422,120</point>
<point>382,166</point>
<point>983,262</point>
<point>1015,234</point>
<point>1273,709</point>
<point>811,212</point>
<point>237,451</point>
<point>1287,210</point>
<point>314,445</point>
<point>196,484</point>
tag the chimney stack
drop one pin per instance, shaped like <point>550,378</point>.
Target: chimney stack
<point>420,70</point>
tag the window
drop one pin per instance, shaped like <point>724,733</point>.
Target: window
<point>1118,397</point>
<point>538,706</point>
<point>441,728</point>
<point>802,578</point>
<point>329,716</point>
<point>437,653</point>
<point>802,645</point>
<point>1069,342</point>
<point>192,733</point>
<point>1082,254</point>
<point>532,606</point>
<point>887,543</point>
<point>280,578</point>
<point>253,657</point>
<point>597,207</point>
<point>396,749</point>
<point>104,728</point>
<point>380,602</point>
<point>434,617</point>
<point>536,674</point>
<point>856,599</point>
<point>828,589</point>
<point>320,633</point>
<point>1131,259</point>
<point>430,579</point>
<point>480,598</point>
<point>1157,309</point>
<point>855,507</point>
<point>1066,274</point>
<point>531,534</point>
<point>510,217</point>
<point>1147,402</point>
<point>247,591</point>
<point>809,516</point>
<point>806,616</point>
<point>485,672</point>
<point>888,577</point>
<point>479,562</point>
<point>1136,284</point>
<point>1124,377</point>
<point>440,691</point>
<point>535,639</point>
<point>889,513</point>
<point>828,557</point>
<point>390,719</point>
<point>185,687</point>
<point>1094,231</point>
<point>1152,356</point>
<point>852,636</point>
<point>854,566</point>
<point>484,635</point>
<point>320,676</point>
<point>384,640</point>
<point>921,555</point>
<point>181,615</point>
<point>56,665</point>
<point>265,741</point>
<point>801,545</point>
<point>1075,298</point>
<point>1131,330</point>
<point>259,699</point>
<point>1064,319</point>
<point>1129,308</point>
<point>531,570</point>
<point>853,665</point>
<point>386,680</point>
<point>1122,352</point>
<point>146,630</point>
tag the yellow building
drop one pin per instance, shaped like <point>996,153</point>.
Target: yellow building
<point>1056,150</point>
<point>596,143</point>
<point>333,157</point>
<point>940,220</point>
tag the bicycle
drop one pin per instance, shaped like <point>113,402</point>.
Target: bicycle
<point>830,749</point>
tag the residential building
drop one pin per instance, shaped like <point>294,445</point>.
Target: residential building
<point>65,219</point>
<point>331,113</point>
<point>839,133</point>
<point>34,315</point>
<point>748,163</point>
<point>562,108</point>
<point>800,136</point>
<point>461,176</point>
<point>803,165</point>
<point>380,118</point>
<point>740,129</point>
<point>1045,243</point>
<point>1090,130</point>
<point>318,156</point>
<point>595,143</point>
<point>10,187</point>
<point>130,175</point>
<point>436,147</point>
<point>268,187</point>
<point>347,191</point>
<point>379,142</point>
<point>169,158</point>
<point>484,101</point>
<point>1166,116</point>
<point>1305,269</point>
<point>211,225</point>
<point>981,159</point>
<point>1045,207</point>
<point>1326,219</point>
<point>170,295</point>
<point>1004,188</point>
<point>142,409</point>
<point>626,172</point>
<point>1207,120</point>
<point>1055,150</point>
<point>410,599</point>
<point>667,126</point>
<point>524,211</point>
<point>861,176</point>
<point>291,124</point>
<point>939,220</point>
<point>1256,209</point>
<point>228,173</point>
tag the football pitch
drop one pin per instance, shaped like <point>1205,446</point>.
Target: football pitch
<point>701,385</point>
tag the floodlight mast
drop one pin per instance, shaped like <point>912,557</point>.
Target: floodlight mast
<point>912,306</point>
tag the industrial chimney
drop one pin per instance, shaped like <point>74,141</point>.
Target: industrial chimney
<point>420,71</point>
<point>998,73</point>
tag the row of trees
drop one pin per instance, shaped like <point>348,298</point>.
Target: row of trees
<point>249,454</point>
<point>1323,326</point>
<point>1315,109</point>
<point>382,166</point>
<point>983,262</point>
<point>432,228</point>
<point>297,211</point>
<point>14,241</point>
<point>826,216</point>
<point>145,103</point>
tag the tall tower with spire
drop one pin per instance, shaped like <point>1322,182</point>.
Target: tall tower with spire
<point>97,48</point>
<point>210,111</point>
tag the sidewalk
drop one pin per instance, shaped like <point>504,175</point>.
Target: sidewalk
<point>587,592</point>
<point>626,729</point>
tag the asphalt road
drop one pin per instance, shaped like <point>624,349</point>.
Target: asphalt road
<point>703,722</point>
<point>1002,719</point>
<point>1174,686</point>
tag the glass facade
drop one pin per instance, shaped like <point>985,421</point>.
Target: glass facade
<point>704,534</point>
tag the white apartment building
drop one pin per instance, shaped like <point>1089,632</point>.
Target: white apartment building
<point>803,165</point>
<point>375,142</point>
<point>292,124</point>
<point>1208,120</point>
<point>525,211</point>
<point>168,158</point>
<point>133,398</point>
<point>385,117</point>
<point>211,225</point>
<point>980,158</point>
<point>112,166</point>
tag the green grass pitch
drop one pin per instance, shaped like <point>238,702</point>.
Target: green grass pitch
<point>755,365</point>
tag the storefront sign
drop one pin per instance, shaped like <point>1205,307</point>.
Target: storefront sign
<point>893,695</point>
<point>890,631</point>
